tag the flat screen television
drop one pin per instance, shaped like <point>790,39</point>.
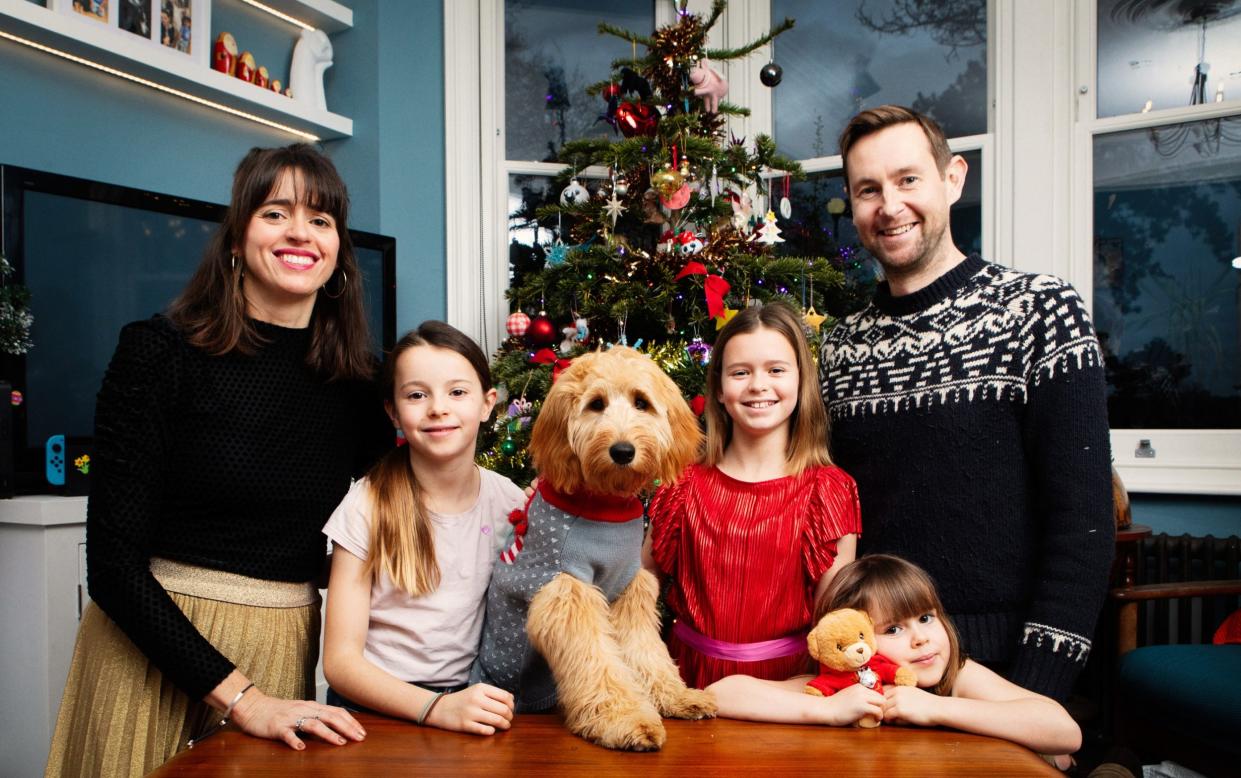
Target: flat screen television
<point>96,256</point>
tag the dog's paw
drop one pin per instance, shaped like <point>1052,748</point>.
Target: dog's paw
<point>689,704</point>
<point>636,729</point>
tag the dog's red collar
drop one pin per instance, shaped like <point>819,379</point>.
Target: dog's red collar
<point>592,505</point>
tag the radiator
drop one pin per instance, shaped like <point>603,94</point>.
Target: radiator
<point>1175,559</point>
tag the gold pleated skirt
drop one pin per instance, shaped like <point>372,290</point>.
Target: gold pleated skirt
<point>120,717</point>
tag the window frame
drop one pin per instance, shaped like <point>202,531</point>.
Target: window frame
<point>1186,461</point>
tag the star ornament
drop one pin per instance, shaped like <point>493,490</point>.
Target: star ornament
<point>814,319</point>
<point>724,318</point>
<point>614,209</point>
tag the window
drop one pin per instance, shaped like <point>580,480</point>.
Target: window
<point>1161,138</point>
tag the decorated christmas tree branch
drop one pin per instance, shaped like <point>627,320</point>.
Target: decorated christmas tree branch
<point>726,54</point>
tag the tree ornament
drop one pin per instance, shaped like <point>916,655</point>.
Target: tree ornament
<point>570,334</point>
<point>688,243</point>
<point>724,318</point>
<point>541,332</point>
<point>708,85</point>
<point>610,91</point>
<point>621,187</point>
<point>667,181</point>
<point>508,446</point>
<point>814,319</point>
<point>679,198</point>
<point>614,208</point>
<point>771,74</point>
<point>557,254</point>
<point>836,206</point>
<point>667,241</point>
<point>698,351</point>
<point>517,324</point>
<point>768,232</point>
<point>574,193</point>
<point>636,119</point>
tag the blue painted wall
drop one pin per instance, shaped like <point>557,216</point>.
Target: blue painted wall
<point>1197,516</point>
<point>63,118</point>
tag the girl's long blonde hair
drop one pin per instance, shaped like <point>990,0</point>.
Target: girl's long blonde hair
<point>402,543</point>
<point>808,428</point>
<point>899,589</point>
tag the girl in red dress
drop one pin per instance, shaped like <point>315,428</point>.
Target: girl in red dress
<point>753,534</point>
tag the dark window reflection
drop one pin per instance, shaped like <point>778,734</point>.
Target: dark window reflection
<point>552,52</point>
<point>1167,211</point>
<point>843,57</point>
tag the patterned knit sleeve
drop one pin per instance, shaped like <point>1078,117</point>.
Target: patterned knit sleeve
<point>667,513</point>
<point>1067,438</point>
<point>833,512</point>
<point>135,419</point>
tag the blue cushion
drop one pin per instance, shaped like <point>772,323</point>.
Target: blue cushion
<point>1192,690</point>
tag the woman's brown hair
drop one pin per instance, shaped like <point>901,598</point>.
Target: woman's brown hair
<point>807,444</point>
<point>211,310</point>
<point>898,589</point>
<point>402,543</point>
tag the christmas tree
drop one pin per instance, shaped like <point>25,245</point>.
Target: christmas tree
<point>681,234</point>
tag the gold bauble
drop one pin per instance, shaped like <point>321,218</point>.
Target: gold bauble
<point>667,181</point>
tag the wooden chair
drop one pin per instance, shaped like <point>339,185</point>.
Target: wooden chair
<point>1179,702</point>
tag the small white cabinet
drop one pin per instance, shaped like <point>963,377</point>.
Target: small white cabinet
<point>42,593</point>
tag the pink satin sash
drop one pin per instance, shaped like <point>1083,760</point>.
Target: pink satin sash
<point>739,652</point>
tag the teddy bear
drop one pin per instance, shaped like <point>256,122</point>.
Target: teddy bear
<point>843,643</point>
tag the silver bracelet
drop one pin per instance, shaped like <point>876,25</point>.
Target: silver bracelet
<point>228,712</point>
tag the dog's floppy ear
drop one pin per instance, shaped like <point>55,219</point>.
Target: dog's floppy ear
<point>686,434</point>
<point>553,458</point>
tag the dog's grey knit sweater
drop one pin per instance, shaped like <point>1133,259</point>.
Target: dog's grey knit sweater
<point>601,553</point>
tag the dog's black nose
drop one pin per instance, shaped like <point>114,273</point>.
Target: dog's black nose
<point>622,453</point>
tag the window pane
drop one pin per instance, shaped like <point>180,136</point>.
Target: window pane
<point>814,231</point>
<point>552,52</point>
<point>843,57</point>
<point>527,238</point>
<point>1167,210</point>
<point>1150,50</point>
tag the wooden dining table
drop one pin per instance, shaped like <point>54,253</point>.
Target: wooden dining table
<point>539,745</point>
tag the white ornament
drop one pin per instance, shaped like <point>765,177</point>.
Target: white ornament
<point>312,56</point>
<point>614,209</point>
<point>768,232</point>
<point>786,208</point>
<point>574,194</point>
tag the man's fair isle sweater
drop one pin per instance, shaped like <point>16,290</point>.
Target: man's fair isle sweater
<point>972,414</point>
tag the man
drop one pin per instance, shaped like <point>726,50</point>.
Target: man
<point>968,401</point>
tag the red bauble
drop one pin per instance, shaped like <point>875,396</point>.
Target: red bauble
<point>610,91</point>
<point>542,332</point>
<point>517,324</point>
<point>636,119</point>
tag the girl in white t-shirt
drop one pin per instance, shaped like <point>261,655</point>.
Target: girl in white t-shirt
<point>414,543</point>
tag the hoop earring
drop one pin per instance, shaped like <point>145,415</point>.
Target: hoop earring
<point>344,282</point>
<point>232,265</point>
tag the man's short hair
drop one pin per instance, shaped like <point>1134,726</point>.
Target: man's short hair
<point>873,120</point>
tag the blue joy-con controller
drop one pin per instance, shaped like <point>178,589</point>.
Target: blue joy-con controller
<point>55,454</point>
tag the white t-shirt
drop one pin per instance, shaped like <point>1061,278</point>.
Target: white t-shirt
<point>432,639</point>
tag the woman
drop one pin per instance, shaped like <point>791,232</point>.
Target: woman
<point>225,434</point>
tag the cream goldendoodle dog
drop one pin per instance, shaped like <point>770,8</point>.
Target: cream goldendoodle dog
<point>572,616</point>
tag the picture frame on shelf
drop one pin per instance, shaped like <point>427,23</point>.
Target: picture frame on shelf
<point>181,26</point>
<point>98,11</point>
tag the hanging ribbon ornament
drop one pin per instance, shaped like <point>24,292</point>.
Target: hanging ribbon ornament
<point>715,288</point>
<point>786,205</point>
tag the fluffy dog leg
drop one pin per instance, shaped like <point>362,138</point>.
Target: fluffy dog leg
<point>636,621</point>
<point>602,701</point>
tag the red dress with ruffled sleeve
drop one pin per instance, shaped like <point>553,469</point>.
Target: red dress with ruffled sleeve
<point>744,558</point>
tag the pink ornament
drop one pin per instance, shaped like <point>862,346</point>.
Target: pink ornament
<point>517,324</point>
<point>678,200</point>
<point>708,85</point>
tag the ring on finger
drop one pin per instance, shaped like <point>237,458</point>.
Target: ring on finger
<point>300,722</point>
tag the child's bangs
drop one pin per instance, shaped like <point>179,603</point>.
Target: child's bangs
<point>898,600</point>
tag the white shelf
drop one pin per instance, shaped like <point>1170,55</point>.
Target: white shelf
<point>329,16</point>
<point>89,40</point>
